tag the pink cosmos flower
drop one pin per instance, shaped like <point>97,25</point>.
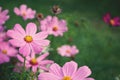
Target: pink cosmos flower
<point>36,62</point>
<point>3,16</point>
<point>53,26</point>
<point>28,40</point>
<point>6,51</point>
<point>26,13</point>
<point>112,21</point>
<point>68,51</point>
<point>69,71</point>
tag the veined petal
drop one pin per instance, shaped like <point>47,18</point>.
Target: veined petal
<point>56,70</point>
<point>40,36</point>
<point>43,68</point>
<point>69,68</point>
<point>14,34</point>
<point>17,43</point>
<point>25,50</point>
<point>43,56</point>
<point>31,28</point>
<point>42,43</point>
<point>82,73</point>
<point>45,62</point>
<point>18,28</point>
<point>36,48</point>
<point>47,76</point>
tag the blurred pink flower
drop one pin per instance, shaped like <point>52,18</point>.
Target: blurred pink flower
<point>69,71</point>
<point>3,16</point>
<point>3,36</point>
<point>112,21</point>
<point>36,62</point>
<point>53,26</point>
<point>18,67</point>
<point>28,41</point>
<point>68,51</point>
<point>26,13</point>
<point>6,51</point>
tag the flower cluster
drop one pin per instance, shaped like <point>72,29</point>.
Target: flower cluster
<point>29,46</point>
<point>115,21</point>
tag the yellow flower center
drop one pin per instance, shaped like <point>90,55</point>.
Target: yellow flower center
<point>112,21</point>
<point>55,28</point>
<point>4,51</point>
<point>28,39</point>
<point>33,61</point>
<point>67,78</point>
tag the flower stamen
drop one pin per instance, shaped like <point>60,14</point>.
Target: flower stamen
<point>55,28</point>
<point>67,78</point>
<point>4,51</point>
<point>33,61</point>
<point>112,21</point>
<point>28,39</point>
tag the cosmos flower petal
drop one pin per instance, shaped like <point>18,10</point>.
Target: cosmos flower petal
<point>56,70</point>
<point>83,72</point>
<point>42,43</point>
<point>5,12</point>
<point>43,56</point>
<point>20,58</point>
<point>46,62</point>
<point>34,68</point>
<point>12,52</point>
<point>36,48</point>
<point>16,11</point>
<point>31,29</point>
<point>4,58</point>
<point>17,43</point>
<point>44,68</point>
<point>3,16</point>
<point>107,18</point>
<point>14,34</point>
<point>69,68</point>
<point>23,7</point>
<point>18,28</point>
<point>40,36</point>
<point>25,50</point>
<point>48,76</point>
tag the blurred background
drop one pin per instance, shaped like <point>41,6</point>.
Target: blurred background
<point>98,43</point>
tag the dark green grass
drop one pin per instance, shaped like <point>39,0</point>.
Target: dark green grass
<point>98,43</point>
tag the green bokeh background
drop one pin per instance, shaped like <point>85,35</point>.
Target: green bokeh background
<point>98,43</point>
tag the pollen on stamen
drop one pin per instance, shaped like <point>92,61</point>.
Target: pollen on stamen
<point>33,61</point>
<point>28,39</point>
<point>55,28</point>
<point>4,51</point>
<point>67,78</point>
<point>112,21</point>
